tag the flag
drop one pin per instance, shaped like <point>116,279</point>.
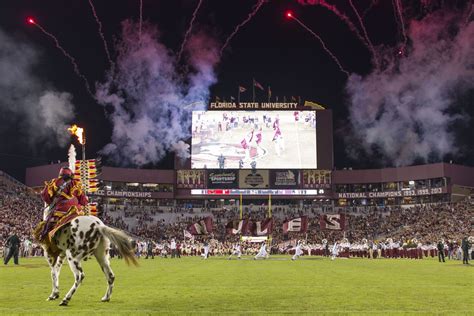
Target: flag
<point>314,105</point>
<point>332,221</point>
<point>262,228</point>
<point>242,89</point>
<point>203,227</point>
<point>293,98</point>
<point>299,224</point>
<point>187,235</point>
<point>218,99</point>
<point>258,85</point>
<point>237,227</point>
<point>232,98</point>
<point>269,93</point>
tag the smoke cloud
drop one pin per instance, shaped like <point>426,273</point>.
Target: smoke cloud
<point>27,100</point>
<point>404,111</point>
<point>148,98</point>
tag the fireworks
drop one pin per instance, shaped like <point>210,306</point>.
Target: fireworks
<point>468,16</point>
<point>365,33</point>
<point>65,53</point>
<point>344,19</point>
<point>397,6</point>
<point>237,28</point>
<point>101,33</point>
<point>189,30</point>
<point>140,20</point>
<point>291,16</point>
<point>372,4</point>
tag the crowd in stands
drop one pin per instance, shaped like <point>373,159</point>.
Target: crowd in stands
<point>21,209</point>
<point>427,223</point>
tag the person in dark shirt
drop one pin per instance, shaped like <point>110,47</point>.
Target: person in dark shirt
<point>440,247</point>
<point>13,244</point>
<point>149,253</point>
<point>465,245</point>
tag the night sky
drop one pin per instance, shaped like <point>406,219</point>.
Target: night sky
<point>274,50</point>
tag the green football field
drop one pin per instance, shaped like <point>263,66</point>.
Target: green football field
<point>312,285</point>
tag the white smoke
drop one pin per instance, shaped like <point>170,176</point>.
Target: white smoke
<point>55,110</point>
<point>150,100</point>
<point>71,155</point>
<point>181,149</point>
<point>403,111</point>
<point>25,97</point>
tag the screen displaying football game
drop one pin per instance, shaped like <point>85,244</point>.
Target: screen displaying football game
<point>253,139</point>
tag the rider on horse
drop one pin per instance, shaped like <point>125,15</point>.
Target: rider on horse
<point>66,200</point>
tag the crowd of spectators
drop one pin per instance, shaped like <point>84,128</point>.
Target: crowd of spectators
<point>428,223</point>
<point>21,209</point>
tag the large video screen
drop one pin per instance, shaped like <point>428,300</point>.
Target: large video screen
<point>246,139</point>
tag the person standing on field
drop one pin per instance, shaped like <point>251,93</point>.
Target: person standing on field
<point>440,247</point>
<point>13,244</point>
<point>205,254</point>
<point>173,248</point>
<point>150,245</point>
<point>335,250</point>
<point>26,247</point>
<point>465,245</point>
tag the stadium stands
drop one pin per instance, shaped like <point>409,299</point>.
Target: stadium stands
<point>21,209</point>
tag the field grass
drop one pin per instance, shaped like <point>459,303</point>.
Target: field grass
<point>311,285</point>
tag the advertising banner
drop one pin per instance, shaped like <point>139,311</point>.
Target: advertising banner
<point>287,179</point>
<point>190,179</point>
<point>251,179</point>
<point>222,179</point>
<point>316,179</point>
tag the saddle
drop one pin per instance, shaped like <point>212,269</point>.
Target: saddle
<point>60,219</point>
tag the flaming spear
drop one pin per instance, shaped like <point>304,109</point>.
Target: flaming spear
<point>81,138</point>
<point>83,169</point>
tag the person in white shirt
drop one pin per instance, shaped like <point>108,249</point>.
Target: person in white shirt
<point>379,251</point>
<point>335,250</point>
<point>236,251</point>
<point>205,255</point>
<point>262,253</point>
<point>26,247</point>
<point>173,248</point>
<point>298,250</point>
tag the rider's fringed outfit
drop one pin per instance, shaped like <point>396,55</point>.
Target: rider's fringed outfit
<point>69,204</point>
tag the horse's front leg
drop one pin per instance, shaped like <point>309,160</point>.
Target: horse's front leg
<point>55,271</point>
<point>75,265</point>
<point>54,276</point>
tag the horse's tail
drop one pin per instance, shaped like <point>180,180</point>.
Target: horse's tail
<point>122,242</point>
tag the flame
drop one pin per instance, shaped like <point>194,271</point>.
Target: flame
<point>79,132</point>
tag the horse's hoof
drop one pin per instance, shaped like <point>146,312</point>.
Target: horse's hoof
<point>105,299</point>
<point>53,296</point>
<point>63,303</point>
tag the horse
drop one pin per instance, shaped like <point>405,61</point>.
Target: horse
<point>83,237</point>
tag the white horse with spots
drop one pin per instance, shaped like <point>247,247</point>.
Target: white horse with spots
<point>81,238</point>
